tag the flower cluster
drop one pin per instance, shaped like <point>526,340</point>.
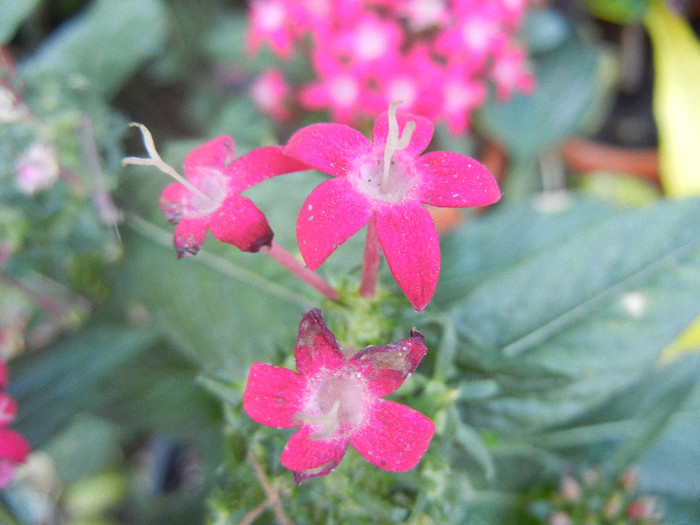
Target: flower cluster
<point>14,449</point>
<point>335,400</point>
<point>597,497</point>
<point>438,56</point>
<point>383,184</point>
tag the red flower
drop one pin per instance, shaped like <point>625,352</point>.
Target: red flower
<point>14,449</point>
<point>335,399</point>
<point>212,200</point>
<point>386,180</point>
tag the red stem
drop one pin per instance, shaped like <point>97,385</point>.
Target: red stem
<point>370,267</point>
<point>295,266</point>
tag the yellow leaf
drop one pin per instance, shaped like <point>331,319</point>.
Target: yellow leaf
<point>687,342</point>
<point>676,99</point>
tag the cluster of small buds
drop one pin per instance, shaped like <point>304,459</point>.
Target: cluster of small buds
<point>598,498</point>
<point>437,56</point>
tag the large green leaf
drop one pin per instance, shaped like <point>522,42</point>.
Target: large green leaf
<point>51,386</point>
<point>12,14</point>
<point>103,45</point>
<point>563,326</point>
<point>571,84</point>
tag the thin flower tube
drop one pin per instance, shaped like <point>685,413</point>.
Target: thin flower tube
<point>386,181</point>
<point>335,399</point>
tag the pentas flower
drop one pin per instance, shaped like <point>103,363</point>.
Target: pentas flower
<point>335,399</point>
<point>385,183</point>
<point>209,198</point>
<point>14,449</point>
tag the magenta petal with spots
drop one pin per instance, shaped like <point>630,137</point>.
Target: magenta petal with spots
<point>412,250</point>
<point>335,399</point>
<point>240,222</point>
<point>189,235</point>
<point>330,148</point>
<point>258,165</point>
<point>395,436</point>
<point>308,457</point>
<point>452,180</point>
<point>316,346</point>
<point>389,179</point>
<point>273,395</point>
<point>14,450</point>
<point>332,213</point>
<point>210,197</point>
<point>387,367</point>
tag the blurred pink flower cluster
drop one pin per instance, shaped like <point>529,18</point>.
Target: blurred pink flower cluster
<point>14,449</point>
<point>438,57</point>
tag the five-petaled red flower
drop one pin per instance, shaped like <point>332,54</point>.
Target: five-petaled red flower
<point>217,204</point>
<point>385,180</point>
<point>335,399</point>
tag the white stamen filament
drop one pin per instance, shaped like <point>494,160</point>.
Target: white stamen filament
<point>155,160</point>
<point>394,142</point>
<point>329,420</point>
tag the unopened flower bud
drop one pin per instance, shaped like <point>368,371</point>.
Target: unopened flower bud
<point>640,508</point>
<point>570,489</point>
<point>560,518</point>
<point>629,479</point>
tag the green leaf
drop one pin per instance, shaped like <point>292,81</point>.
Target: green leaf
<point>564,326</point>
<point>619,11</point>
<point>222,311</point>
<point>51,386</point>
<point>577,73</point>
<point>104,45</point>
<point>12,14</point>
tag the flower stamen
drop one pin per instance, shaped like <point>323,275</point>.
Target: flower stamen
<point>155,160</point>
<point>394,142</point>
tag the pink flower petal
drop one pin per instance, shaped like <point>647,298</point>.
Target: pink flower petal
<point>239,222</point>
<point>309,457</point>
<point>386,367</point>
<point>273,395</point>
<point>412,250</point>
<point>419,139</point>
<point>13,446</point>
<point>332,213</point>
<point>3,373</point>
<point>189,235</point>
<point>215,154</point>
<point>8,409</point>
<point>317,347</point>
<point>258,165</point>
<point>455,180</point>
<point>395,437</point>
<point>173,200</point>
<point>330,148</point>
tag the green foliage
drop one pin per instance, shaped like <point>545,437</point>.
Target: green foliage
<point>544,334</point>
<point>619,11</point>
<point>12,14</point>
<point>103,45</point>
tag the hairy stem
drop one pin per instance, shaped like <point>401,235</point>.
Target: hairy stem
<point>370,266</point>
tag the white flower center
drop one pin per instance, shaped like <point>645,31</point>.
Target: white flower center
<point>213,192</point>
<point>336,407</point>
<point>391,177</point>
